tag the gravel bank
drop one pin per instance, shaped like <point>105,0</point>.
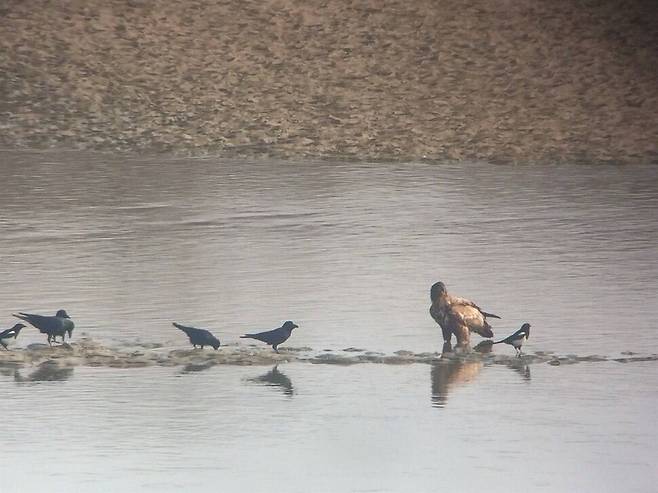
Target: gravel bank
<point>502,81</point>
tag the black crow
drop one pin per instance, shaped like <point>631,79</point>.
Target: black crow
<point>5,335</point>
<point>199,337</point>
<point>55,326</point>
<point>274,337</point>
<point>458,316</point>
<point>518,338</point>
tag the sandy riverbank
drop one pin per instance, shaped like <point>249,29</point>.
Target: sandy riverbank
<point>498,81</point>
<point>87,352</point>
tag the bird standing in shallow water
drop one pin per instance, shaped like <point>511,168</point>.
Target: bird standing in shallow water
<point>458,316</point>
<point>518,338</point>
<point>55,326</point>
<point>274,337</point>
<point>199,337</point>
<point>12,333</point>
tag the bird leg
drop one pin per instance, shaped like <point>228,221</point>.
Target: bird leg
<point>463,336</point>
<point>275,349</point>
<point>2,343</point>
<point>447,334</point>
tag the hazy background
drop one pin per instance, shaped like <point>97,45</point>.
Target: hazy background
<point>503,81</point>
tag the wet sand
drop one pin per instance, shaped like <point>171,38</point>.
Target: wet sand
<point>87,352</point>
<point>476,80</point>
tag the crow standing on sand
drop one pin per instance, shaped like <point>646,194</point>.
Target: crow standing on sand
<point>458,316</point>
<point>518,338</point>
<point>55,326</point>
<point>12,333</point>
<point>274,337</point>
<point>199,337</point>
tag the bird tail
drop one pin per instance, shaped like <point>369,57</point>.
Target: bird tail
<point>22,316</point>
<point>498,342</point>
<point>181,327</point>
<point>247,336</point>
<point>491,315</point>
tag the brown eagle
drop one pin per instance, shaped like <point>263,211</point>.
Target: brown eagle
<point>458,316</point>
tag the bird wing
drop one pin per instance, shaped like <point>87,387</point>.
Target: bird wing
<point>468,315</point>
<point>437,314</point>
<point>456,300</point>
<point>208,336</point>
<point>519,333</point>
<point>41,322</point>
<point>268,336</point>
<point>199,335</point>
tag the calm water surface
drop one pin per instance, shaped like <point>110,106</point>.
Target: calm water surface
<point>348,251</point>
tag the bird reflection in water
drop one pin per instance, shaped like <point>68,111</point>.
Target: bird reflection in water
<point>197,367</point>
<point>450,372</point>
<point>521,368</point>
<point>7,371</point>
<point>45,372</point>
<point>515,364</point>
<point>275,378</point>
<point>447,373</point>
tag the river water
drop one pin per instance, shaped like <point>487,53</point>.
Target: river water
<point>348,251</point>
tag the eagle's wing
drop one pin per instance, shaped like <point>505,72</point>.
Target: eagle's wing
<point>470,316</point>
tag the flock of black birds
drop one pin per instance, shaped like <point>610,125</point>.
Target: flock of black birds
<point>454,315</point>
<point>203,337</point>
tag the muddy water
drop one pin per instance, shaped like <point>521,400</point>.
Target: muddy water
<point>347,251</point>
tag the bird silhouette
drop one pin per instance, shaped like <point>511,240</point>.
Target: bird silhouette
<point>48,371</point>
<point>274,337</point>
<point>59,325</point>
<point>518,338</point>
<point>199,337</point>
<point>458,316</point>
<point>12,333</point>
<point>276,378</point>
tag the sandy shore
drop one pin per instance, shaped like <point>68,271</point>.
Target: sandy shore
<point>87,352</point>
<point>498,80</point>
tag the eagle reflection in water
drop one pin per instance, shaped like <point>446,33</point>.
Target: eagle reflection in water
<point>448,373</point>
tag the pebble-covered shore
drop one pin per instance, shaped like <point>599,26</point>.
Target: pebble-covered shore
<point>459,80</point>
